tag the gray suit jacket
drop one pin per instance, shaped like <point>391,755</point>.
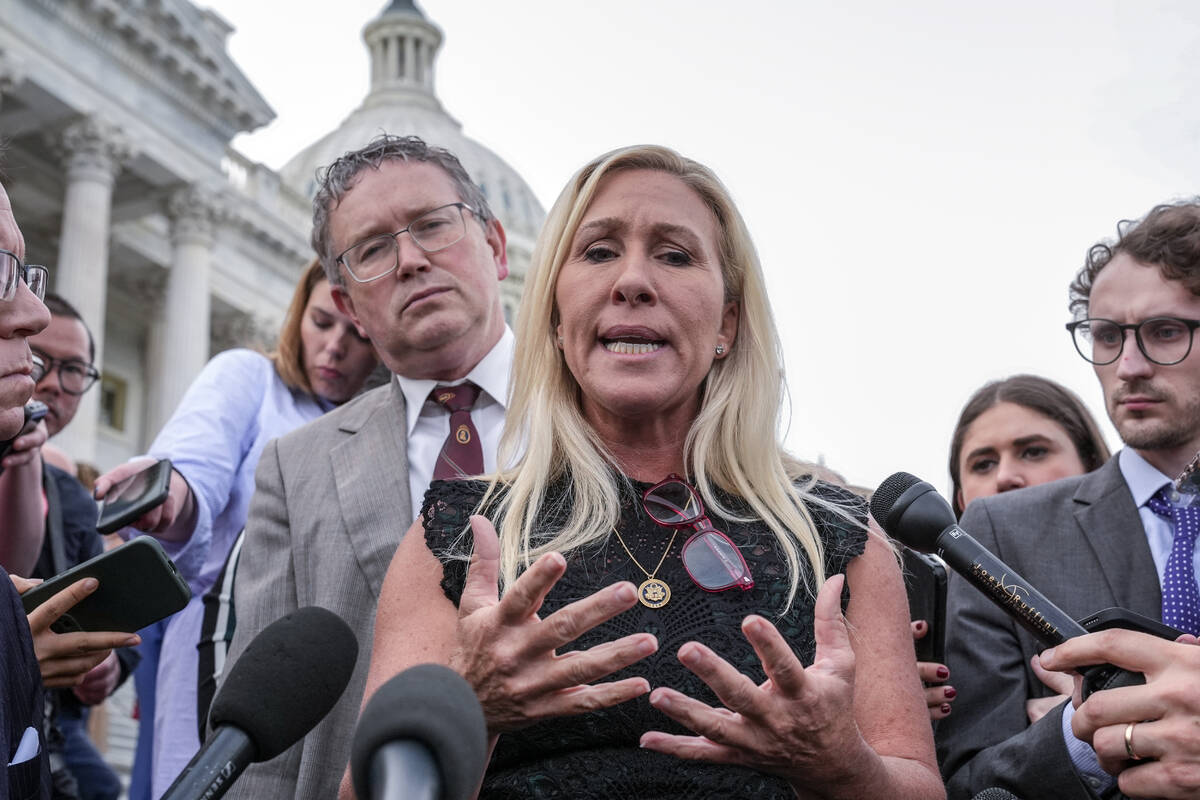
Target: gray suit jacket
<point>331,503</point>
<point>1081,543</point>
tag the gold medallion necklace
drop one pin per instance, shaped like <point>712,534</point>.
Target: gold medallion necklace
<point>654,592</point>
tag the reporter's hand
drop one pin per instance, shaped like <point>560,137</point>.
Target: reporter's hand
<point>161,520</point>
<point>99,682</point>
<point>938,695</point>
<point>799,723</point>
<point>1061,683</point>
<point>508,654</point>
<point>26,447</point>
<point>65,658</point>
<point>1165,711</point>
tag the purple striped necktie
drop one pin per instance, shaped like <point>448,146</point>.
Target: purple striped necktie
<point>462,454</point>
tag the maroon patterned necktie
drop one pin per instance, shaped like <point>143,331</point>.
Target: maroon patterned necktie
<point>462,454</point>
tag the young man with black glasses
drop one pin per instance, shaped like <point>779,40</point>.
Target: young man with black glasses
<point>1120,536</point>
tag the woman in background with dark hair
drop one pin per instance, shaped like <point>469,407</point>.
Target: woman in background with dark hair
<point>1020,431</point>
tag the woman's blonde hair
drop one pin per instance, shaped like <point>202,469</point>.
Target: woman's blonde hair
<point>288,355</point>
<point>733,443</point>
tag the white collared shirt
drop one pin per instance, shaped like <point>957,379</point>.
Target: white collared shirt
<point>428,423</point>
<point>1143,481</point>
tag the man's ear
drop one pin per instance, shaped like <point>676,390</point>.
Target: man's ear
<point>498,243</point>
<point>341,299</point>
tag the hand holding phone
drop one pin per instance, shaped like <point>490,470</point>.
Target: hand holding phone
<point>63,658</point>
<point>140,488</point>
<point>35,411</point>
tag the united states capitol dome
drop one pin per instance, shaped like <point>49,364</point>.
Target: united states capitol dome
<point>403,46</point>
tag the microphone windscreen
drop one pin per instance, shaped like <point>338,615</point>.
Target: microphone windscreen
<point>287,680</point>
<point>433,705</point>
<point>889,492</point>
<point>995,794</point>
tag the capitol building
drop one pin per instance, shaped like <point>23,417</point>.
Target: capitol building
<point>117,116</point>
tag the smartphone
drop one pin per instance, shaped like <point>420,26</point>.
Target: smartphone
<point>925,580</point>
<point>1124,618</point>
<point>35,410</point>
<point>1106,676</point>
<point>134,496</point>
<point>139,585</point>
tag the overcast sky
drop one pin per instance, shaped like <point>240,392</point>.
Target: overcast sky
<point>922,179</point>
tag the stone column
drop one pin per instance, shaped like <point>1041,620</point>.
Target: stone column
<point>12,75</point>
<point>93,151</point>
<point>410,60</point>
<point>179,337</point>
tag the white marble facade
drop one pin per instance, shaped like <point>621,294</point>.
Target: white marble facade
<point>117,117</point>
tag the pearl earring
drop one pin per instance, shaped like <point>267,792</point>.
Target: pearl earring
<point>720,349</point>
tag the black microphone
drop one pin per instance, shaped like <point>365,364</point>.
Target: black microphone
<point>286,681</point>
<point>912,512</point>
<point>422,736</point>
<point>995,794</point>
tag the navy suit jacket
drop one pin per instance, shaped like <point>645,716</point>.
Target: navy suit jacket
<point>21,704</point>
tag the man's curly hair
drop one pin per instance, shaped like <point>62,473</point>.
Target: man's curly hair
<point>1168,238</point>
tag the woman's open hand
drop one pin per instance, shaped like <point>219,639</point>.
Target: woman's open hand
<point>799,723</point>
<point>508,654</point>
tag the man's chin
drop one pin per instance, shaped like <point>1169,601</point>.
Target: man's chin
<point>11,420</point>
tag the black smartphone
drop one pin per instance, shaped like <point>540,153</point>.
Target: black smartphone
<point>139,585</point>
<point>134,496</point>
<point>1106,676</point>
<point>35,410</point>
<point>925,580</point>
<point>1115,617</point>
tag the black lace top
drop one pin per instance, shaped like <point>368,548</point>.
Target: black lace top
<point>596,755</point>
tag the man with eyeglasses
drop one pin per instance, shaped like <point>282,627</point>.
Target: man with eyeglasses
<point>415,257</point>
<point>67,350</point>
<point>1120,536</point>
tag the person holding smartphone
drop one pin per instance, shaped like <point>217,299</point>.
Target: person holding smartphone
<point>239,402</point>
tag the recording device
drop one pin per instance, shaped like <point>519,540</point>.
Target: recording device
<point>422,735</point>
<point>128,500</point>
<point>139,585</point>
<point>912,511</point>
<point>286,681</point>
<point>925,581</point>
<point>994,793</point>
<point>35,411</point>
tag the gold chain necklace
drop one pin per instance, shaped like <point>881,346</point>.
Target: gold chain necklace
<point>654,592</point>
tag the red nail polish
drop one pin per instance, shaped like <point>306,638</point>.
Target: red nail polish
<point>950,693</point>
<point>945,708</point>
<point>943,673</point>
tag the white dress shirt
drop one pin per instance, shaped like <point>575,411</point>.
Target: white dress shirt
<point>428,423</point>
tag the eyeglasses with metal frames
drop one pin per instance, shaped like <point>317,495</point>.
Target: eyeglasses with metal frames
<point>378,256</point>
<point>1162,340</point>
<point>710,557</point>
<point>74,376</point>
<point>13,271</point>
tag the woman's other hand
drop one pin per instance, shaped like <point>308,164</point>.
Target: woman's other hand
<point>66,658</point>
<point>938,695</point>
<point>508,654</point>
<point>788,725</point>
<point>174,519</point>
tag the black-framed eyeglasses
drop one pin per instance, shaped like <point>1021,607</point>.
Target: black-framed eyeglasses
<point>710,557</point>
<point>1162,340</point>
<point>74,376</point>
<point>13,271</point>
<point>378,256</point>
